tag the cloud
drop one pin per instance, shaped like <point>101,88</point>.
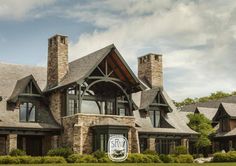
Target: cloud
<point>18,10</point>
<point>197,39</point>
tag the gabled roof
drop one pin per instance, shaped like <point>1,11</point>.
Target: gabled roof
<point>226,134</point>
<point>83,67</point>
<point>174,118</point>
<point>209,104</point>
<point>228,108</point>
<point>209,113</point>
<point>21,85</point>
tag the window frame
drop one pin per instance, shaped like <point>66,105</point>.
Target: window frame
<point>27,112</point>
<point>154,122</point>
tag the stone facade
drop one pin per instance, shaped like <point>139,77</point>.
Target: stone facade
<point>57,59</point>
<point>78,133</point>
<point>150,70</point>
<point>55,105</point>
<point>151,143</point>
<point>11,142</point>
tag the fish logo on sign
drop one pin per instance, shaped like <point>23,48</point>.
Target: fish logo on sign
<point>117,148</point>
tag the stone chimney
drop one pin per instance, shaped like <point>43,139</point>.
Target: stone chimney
<point>57,60</point>
<point>150,70</point>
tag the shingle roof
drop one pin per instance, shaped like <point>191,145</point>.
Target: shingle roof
<point>230,109</point>
<point>174,118</point>
<point>226,134</point>
<point>147,97</point>
<point>207,112</point>
<point>81,67</point>
<point>9,74</point>
<point>209,104</point>
<point>20,87</point>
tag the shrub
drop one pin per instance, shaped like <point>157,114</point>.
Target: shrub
<point>30,160</point>
<point>87,159</point>
<point>9,160</point>
<point>72,158</point>
<point>167,158</point>
<point>104,160</point>
<point>225,157</point>
<point>231,156</point>
<point>55,159</point>
<point>151,152</point>
<point>142,158</point>
<point>138,158</point>
<point>17,152</point>
<point>63,152</point>
<point>154,158</point>
<point>99,154</point>
<point>185,158</point>
<point>180,150</point>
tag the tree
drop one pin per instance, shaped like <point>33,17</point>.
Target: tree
<point>202,125</point>
<point>213,96</point>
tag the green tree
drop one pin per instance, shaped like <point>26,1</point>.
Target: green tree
<point>202,125</point>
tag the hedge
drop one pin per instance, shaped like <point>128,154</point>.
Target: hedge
<point>30,160</point>
<point>142,158</point>
<point>225,157</point>
<point>63,152</point>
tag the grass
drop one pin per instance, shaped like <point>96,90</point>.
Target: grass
<point>125,164</point>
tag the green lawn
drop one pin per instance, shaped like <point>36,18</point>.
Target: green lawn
<point>125,164</point>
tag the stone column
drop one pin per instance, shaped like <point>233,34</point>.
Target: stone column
<point>135,148</point>
<point>172,147</point>
<point>78,138</point>
<point>11,142</point>
<point>151,143</point>
<point>55,141</point>
<point>230,144</point>
<point>129,141</point>
<point>185,142</point>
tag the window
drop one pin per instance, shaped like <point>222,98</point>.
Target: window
<point>155,117</point>
<point>71,107</point>
<point>166,146</point>
<point>27,112</point>
<point>122,111</point>
<point>109,108</point>
<point>31,89</point>
<point>224,124</point>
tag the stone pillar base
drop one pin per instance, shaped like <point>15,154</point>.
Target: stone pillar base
<point>11,142</point>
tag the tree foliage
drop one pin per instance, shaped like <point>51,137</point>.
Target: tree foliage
<point>202,125</point>
<point>213,96</point>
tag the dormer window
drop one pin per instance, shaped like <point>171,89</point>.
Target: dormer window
<point>155,116</point>
<point>27,112</point>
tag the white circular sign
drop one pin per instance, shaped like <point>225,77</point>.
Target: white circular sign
<point>117,148</point>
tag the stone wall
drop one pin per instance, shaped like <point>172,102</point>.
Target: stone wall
<point>55,105</point>
<point>150,70</point>
<point>79,136</point>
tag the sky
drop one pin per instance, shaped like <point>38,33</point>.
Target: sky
<point>197,38</point>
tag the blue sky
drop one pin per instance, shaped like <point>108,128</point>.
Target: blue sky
<point>197,38</point>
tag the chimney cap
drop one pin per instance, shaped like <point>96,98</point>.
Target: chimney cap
<point>150,54</point>
<point>56,35</point>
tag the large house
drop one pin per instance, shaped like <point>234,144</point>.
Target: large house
<point>82,103</point>
<point>222,113</point>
